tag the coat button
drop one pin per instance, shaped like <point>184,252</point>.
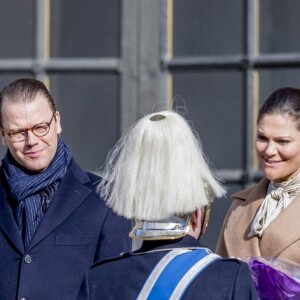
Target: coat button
<point>23,299</point>
<point>28,259</point>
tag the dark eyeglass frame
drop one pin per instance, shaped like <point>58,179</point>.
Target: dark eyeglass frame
<point>33,129</point>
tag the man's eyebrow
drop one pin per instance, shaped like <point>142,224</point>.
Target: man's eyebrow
<point>25,128</point>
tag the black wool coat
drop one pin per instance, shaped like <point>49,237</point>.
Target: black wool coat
<point>77,230</point>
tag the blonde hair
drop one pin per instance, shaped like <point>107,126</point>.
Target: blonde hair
<point>157,170</point>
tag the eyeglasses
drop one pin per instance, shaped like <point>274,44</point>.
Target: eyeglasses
<point>38,130</point>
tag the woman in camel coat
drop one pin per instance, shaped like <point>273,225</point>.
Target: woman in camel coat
<point>264,220</point>
<point>281,239</point>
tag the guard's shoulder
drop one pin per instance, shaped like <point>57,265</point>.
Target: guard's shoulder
<point>231,264</point>
<point>233,260</point>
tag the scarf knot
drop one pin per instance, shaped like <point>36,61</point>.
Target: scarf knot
<point>33,193</point>
<point>278,197</point>
<point>278,193</point>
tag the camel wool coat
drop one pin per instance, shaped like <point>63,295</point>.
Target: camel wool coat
<point>281,239</point>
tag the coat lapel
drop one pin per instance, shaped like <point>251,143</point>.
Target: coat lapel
<point>244,208</point>
<point>71,193</point>
<point>283,231</point>
<point>8,223</point>
<point>278,236</point>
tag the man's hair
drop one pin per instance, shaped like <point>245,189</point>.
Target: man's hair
<point>24,90</point>
<point>157,169</point>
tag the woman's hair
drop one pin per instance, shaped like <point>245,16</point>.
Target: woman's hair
<point>157,169</point>
<point>284,101</point>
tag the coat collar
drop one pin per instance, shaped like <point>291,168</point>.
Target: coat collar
<point>244,207</point>
<point>281,233</point>
<point>70,194</point>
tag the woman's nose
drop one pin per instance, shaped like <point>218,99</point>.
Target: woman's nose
<point>270,148</point>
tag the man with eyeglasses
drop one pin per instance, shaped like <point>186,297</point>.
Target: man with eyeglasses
<point>53,224</point>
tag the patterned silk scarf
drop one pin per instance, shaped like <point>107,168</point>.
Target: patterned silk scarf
<point>279,196</point>
<point>34,192</point>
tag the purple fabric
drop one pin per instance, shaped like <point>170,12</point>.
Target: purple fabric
<point>272,283</point>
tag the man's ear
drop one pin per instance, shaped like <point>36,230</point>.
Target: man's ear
<point>205,219</point>
<point>2,137</point>
<point>57,121</point>
<point>194,219</point>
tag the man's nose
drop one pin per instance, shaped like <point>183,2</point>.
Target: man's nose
<point>31,138</point>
